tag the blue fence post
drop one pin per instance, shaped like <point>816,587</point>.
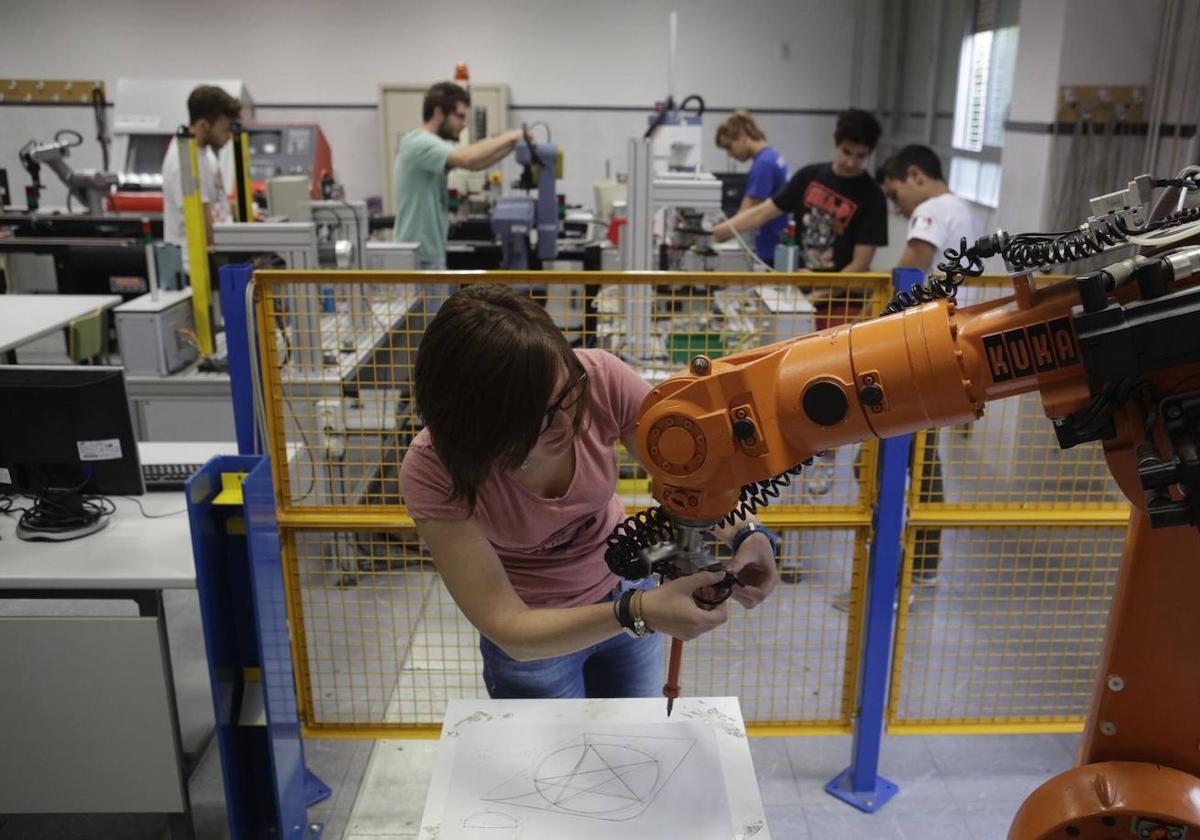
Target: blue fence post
<point>234,279</point>
<point>239,578</point>
<point>860,784</point>
<point>239,575</point>
<point>295,786</point>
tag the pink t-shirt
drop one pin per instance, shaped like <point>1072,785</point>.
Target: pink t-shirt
<point>552,548</point>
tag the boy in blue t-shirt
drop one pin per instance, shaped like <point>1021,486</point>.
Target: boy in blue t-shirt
<point>742,139</point>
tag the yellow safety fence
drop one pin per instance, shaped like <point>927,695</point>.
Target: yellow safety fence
<point>1011,555</point>
<point>379,645</point>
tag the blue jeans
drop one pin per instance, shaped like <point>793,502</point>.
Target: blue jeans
<point>618,667</point>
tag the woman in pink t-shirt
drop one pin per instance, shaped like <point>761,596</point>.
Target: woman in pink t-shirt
<point>512,485</point>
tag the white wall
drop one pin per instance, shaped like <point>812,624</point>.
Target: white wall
<point>761,53</point>
<point>1067,42</point>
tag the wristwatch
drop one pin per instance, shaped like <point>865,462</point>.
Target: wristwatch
<point>629,614</point>
<point>749,528</point>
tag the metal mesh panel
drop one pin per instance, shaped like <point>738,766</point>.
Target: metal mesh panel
<point>379,644</point>
<point>339,358</point>
<point>1010,635</point>
<point>791,661</point>
<point>1011,552</point>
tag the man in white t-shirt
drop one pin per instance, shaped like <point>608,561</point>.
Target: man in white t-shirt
<point>937,218</point>
<point>211,112</point>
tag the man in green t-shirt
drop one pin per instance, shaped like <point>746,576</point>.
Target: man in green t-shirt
<point>425,156</point>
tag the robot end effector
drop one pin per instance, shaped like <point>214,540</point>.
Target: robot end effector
<point>725,437</point>
<point>89,187</point>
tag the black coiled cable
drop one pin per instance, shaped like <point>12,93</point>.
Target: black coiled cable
<point>1028,251</point>
<point>758,494</point>
<point>642,530</point>
<point>1033,250</point>
<point>653,526</point>
<point>957,267</point>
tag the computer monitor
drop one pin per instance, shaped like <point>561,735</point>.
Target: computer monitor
<point>733,187</point>
<point>66,428</point>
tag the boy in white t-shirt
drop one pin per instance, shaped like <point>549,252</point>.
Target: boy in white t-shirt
<point>211,114</point>
<point>937,218</point>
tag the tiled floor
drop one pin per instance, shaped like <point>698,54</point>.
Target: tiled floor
<point>958,788</point>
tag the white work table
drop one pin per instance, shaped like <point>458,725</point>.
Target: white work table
<point>134,552</point>
<point>116,745</point>
<point>26,318</point>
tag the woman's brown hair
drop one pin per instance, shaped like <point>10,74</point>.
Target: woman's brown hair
<point>738,124</point>
<point>484,374</point>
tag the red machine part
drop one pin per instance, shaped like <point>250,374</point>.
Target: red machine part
<point>147,201</point>
<point>321,159</point>
<point>136,202</point>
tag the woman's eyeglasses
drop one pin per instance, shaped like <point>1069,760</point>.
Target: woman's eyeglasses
<point>561,403</point>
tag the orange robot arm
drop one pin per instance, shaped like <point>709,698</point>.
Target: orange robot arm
<point>714,436</point>
<point>735,421</point>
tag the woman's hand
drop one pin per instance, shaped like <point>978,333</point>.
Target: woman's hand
<point>754,565</point>
<point>670,610</point>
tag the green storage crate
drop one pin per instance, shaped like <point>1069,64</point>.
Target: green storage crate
<point>683,346</point>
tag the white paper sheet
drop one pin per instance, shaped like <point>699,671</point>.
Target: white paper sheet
<point>584,782</point>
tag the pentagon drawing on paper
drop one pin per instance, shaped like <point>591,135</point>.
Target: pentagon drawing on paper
<point>607,777</point>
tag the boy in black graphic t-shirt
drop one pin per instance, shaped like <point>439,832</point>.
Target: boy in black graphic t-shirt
<point>840,212</point>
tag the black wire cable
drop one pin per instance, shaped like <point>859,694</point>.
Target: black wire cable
<point>1188,182</point>
<point>957,267</point>
<point>543,124</point>
<point>759,494</point>
<point>57,510</point>
<point>101,126</point>
<point>145,515</point>
<point>1028,251</point>
<point>8,505</point>
<point>699,100</point>
<point>78,137</point>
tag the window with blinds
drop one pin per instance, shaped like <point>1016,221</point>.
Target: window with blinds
<point>986,68</point>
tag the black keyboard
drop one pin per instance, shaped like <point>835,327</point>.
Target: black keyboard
<point>167,476</point>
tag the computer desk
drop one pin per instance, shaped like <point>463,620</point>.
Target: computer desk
<point>91,722</point>
<point>26,318</point>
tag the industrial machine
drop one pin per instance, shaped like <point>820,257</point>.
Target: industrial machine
<point>89,187</point>
<point>289,149</point>
<point>1115,358</point>
<point>659,203</point>
<point>154,332</point>
<point>515,217</point>
<point>676,134</point>
<point>84,254</point>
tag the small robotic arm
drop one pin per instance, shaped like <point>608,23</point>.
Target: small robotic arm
<point>89,187</point>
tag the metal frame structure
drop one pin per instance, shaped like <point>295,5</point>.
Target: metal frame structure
<point>259,589</point>
<point>235,542</point>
